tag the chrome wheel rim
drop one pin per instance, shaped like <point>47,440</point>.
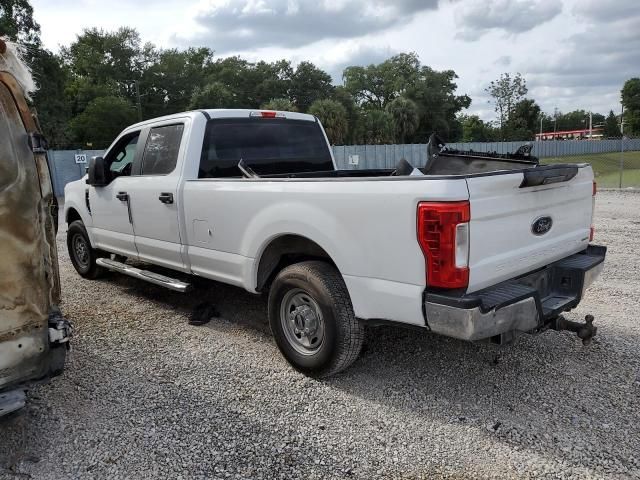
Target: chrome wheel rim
<point>302,321</point>
<point>81,250</point>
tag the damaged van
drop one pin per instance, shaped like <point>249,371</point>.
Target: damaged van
<point>33,334</point>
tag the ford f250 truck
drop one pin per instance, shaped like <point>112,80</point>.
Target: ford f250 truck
<point>473,246</point>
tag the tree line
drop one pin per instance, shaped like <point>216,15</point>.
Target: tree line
<point>519,117</point>
<point>106,80</point>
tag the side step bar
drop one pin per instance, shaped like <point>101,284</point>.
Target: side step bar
<point>147,276</point>
<point>11,401</point>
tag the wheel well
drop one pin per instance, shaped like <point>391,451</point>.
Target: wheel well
<point>284,251</point>
<point>73,215</point>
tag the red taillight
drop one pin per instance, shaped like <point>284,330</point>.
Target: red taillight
<point>595,188</point>
<point>592,233</point>
<point>268,114</point>
<point>437,226</point>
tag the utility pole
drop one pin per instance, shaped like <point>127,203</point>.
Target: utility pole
<point>621,145</point>
<point>138,97</point>
<point>590,125</point>
<point>541,117</point>
<point>555,121</point>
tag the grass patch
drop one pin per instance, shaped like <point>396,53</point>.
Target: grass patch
<point>606,167</point>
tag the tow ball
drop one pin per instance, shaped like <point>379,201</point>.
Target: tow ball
<point>586,331</point>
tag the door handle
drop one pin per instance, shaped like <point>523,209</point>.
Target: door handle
<point>124,197</point>
<point>166,197</point>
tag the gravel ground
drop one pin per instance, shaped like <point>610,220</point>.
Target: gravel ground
<point>145,395</point>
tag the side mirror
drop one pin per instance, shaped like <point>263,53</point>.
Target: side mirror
<point>98,172</point>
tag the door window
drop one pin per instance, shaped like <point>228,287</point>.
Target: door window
<point>161,153</point>
<point>120,158</point>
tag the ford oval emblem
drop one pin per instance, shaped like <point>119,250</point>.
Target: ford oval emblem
<point>541,225</point>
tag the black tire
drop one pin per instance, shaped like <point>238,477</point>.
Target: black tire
<point>83,257</point>
<point>321,288</point>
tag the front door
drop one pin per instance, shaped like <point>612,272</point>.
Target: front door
<point>112,225</point>
<point>154,202</point>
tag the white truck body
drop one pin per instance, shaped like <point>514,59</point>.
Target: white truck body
<point>220,228</point>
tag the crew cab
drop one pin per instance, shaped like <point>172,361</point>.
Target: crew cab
<point>475,246</point>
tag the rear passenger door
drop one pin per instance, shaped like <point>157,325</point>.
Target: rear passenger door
<point>154,199</point>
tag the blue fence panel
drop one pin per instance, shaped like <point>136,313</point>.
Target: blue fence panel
<point>64,169</point>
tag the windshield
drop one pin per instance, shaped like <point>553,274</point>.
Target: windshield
<point>268,146</point>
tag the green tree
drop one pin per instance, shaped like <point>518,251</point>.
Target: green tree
<point>577,120</point>
<point>102,58</point>
<point>341,95</point>
<point>474,129</point>
<point>506,92</point>
<point>333,117</point>
<point>375,127</point>
<point>631,103</point>
<point>49,99</point>
<point>283,104</point>
<point>102,121</point>
<point>376,85</point>
<point>170,77</point>
<point>523,121</point>
<point>308,84</point>
<point>404,113</point>
<point>252,84</point>
<point>269,81</point>
<point>434,92</point>
<point>212,95</point>
<point>17,23</point>
<point>435,95</point>
<point>611,127</point>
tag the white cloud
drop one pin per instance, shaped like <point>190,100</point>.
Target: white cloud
<point>477,17</point>
<point>236,25</point>
<point>578,58</point>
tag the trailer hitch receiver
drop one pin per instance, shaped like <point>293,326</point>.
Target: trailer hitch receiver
<point>586,331</point>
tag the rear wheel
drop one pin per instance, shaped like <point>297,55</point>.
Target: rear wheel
<point>83,256</point>
<point>312,319</point>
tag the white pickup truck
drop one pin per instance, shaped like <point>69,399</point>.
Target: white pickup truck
<point>473,246</point>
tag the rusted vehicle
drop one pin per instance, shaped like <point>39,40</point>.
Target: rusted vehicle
<point>33,334</point>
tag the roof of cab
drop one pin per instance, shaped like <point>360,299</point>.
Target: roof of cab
<point>225,113</point>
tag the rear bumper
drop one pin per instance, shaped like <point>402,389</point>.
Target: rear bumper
<point>523,304</point>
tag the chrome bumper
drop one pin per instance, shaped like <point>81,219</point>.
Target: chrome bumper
<point>521,305</point>
<point>471,324</point>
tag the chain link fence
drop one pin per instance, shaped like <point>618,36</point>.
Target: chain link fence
<point>615,162</point>
<point>619,168</point>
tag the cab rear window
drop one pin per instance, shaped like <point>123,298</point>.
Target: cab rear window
<point>267,145</point>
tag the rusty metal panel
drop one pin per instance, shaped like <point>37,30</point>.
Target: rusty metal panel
<point>29,281</point>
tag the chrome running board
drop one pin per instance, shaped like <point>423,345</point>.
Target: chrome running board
<point>147,276</point>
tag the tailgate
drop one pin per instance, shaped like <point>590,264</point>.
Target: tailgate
<point>510,218</point>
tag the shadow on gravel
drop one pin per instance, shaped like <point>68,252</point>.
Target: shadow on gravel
<point>233,304</point>
<point>546,393</point>
<point>547,390</point>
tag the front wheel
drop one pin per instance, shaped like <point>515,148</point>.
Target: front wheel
<point>83,256</point>
<point>312,319</point>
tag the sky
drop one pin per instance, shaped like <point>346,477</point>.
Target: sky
<point>574,54</point>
